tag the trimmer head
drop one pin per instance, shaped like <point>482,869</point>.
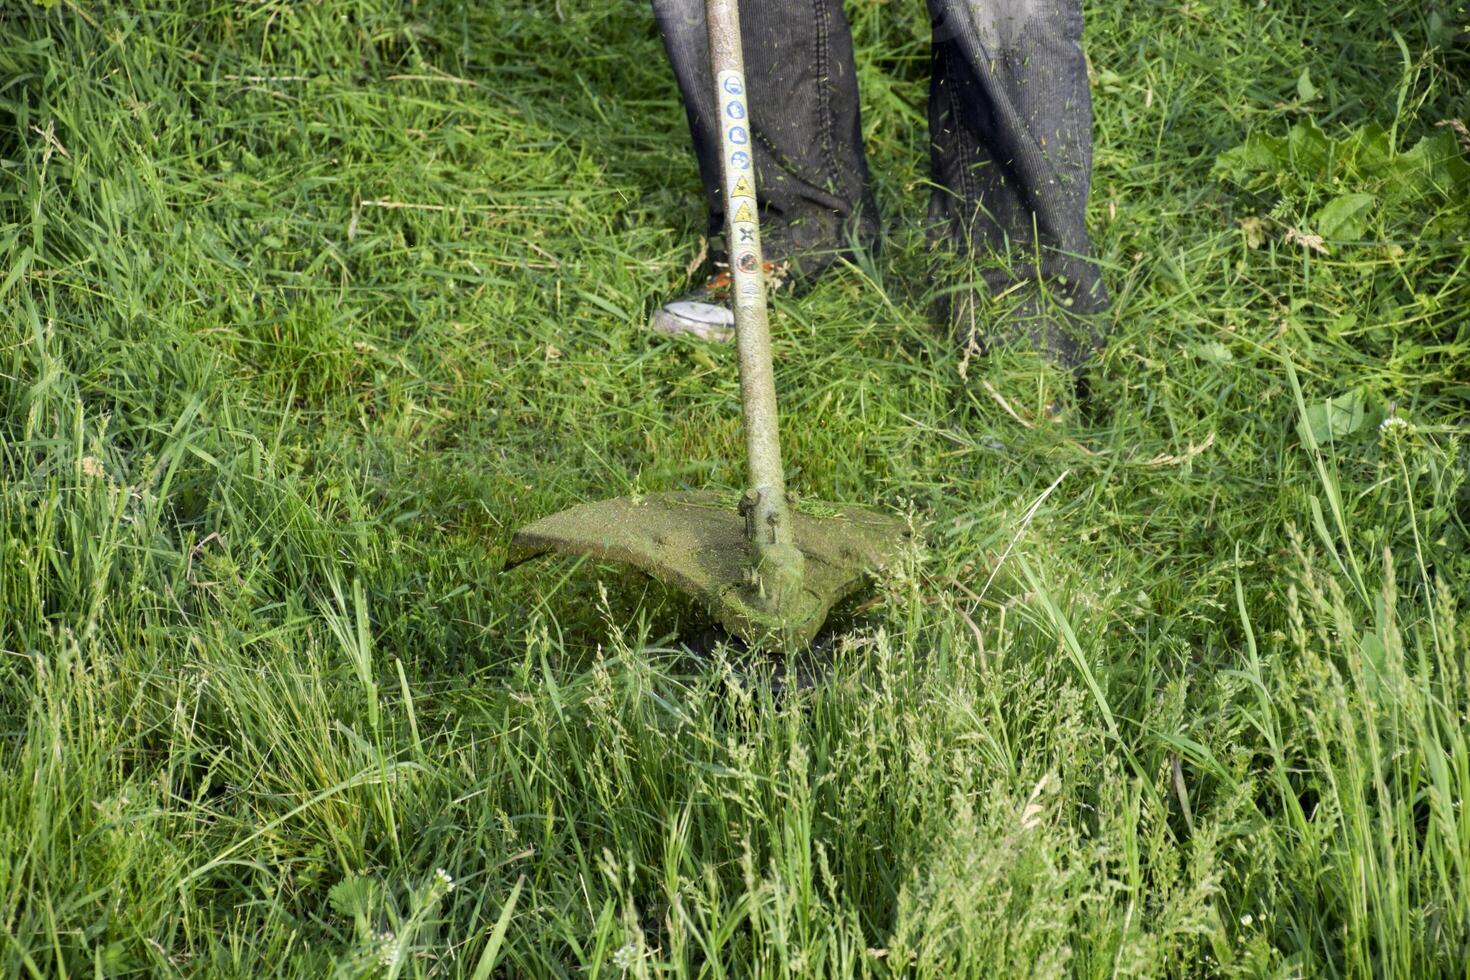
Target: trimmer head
<point>696,542</point>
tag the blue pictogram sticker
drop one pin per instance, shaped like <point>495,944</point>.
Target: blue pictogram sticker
<point>733,86</point>
<point>735,109</point>
<point>738,135</point>
<point>740,160</point>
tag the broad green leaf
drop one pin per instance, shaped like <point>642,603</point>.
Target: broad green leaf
<point>1345,218</point>
<point>1259,154</point>
<point>354,895</point>
<point>1311,150</point>
<point>1334,419</point>
<point>1305,90</point>
<point>1434,165</point>
<point>1370,148</point>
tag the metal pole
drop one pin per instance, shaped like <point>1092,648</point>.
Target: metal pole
<point>777,562</point>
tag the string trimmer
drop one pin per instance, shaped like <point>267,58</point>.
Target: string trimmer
<point>766,573</point>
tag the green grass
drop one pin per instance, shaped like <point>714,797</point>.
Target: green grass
<point>304,306</point>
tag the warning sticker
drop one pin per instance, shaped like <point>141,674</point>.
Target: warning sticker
<point>744,213</point>
<point>742,189</point>
<point>747,262</point>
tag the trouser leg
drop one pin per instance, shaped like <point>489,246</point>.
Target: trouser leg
<point>811,172</point>
<point>1011,132</point>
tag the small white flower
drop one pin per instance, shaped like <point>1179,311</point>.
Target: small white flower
<point>1393,422</point>
<point>1247,919</point>
<point>444,879</point>
<point>387,949</point>
<point>625,956</point>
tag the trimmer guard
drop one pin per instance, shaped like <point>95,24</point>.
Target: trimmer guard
<point>695,542</point>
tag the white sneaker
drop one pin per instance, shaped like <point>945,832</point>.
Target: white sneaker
<point>705,312</point>
<point>707,321</point>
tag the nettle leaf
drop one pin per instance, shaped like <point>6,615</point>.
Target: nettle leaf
<point>1433,165</point>
<point>1345,218</point>
<point>1306,151</point>
<point>1337,418</point>
<point>1259,154</point>
<point>1377,186</point>
<point>1369,148</point>
<point>1311,150</point>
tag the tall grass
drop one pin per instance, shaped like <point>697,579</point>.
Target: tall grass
<point>304,307</point>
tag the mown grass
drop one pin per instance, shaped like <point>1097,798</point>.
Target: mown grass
<point>306,306</point>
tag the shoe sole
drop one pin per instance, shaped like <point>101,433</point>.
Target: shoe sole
<point>695,319</point>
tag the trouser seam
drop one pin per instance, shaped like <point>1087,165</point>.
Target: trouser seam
<point>969,193</point>
<point>824,95</point>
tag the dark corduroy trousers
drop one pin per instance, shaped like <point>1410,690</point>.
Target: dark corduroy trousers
<point>1010,119</point>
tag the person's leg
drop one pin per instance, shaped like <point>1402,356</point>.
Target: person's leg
<point>1011,130</point>
<point>806,137</point>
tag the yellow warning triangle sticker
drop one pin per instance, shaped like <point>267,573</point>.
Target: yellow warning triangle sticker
<point>744,214</point>
<point>742,189</point>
